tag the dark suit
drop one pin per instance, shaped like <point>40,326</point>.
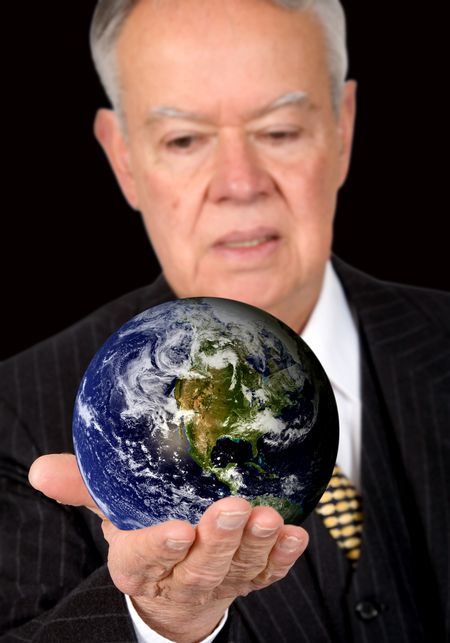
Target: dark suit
<point>54,579</point>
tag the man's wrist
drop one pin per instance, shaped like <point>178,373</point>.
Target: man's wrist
<point>146,634</point>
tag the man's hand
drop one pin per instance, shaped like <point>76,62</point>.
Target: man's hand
<point>182,578</point>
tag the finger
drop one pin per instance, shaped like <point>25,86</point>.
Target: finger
<point>57,476</point>
<point>260,535</point>
<point>290,545</point>
<point>219,534</point>
<point>141,557</point>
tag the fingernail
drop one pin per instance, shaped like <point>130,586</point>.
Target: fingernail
<point>232,519</point>
<point>263,532</point>
<point>290,543</point>
<point>178,545</point>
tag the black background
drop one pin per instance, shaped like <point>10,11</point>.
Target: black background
<point>71,243</point>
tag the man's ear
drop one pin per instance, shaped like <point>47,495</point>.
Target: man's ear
<point>346,127</point>
<point>109,134</point>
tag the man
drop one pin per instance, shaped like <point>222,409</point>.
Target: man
<point>232,134</point>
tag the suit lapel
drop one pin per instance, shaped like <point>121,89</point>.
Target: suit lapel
<point>411,362</point>
<point>406,376</point>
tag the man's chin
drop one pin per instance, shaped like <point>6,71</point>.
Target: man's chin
<point>261,294</point>
<point>264,289</point>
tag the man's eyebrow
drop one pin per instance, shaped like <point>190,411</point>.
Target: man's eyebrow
<point>163,111</point>
<point>291,98</point>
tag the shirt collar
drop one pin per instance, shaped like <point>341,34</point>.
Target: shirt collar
<point>332,335</point>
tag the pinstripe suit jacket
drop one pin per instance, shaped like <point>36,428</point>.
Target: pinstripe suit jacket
<point>55,585</point>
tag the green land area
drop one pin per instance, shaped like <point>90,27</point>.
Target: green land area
<point>224,408</point>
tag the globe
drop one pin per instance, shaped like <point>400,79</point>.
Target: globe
<point>199,398</point>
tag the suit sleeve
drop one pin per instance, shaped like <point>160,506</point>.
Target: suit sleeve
<point>54,583</point>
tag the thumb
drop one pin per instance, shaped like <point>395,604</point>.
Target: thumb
<point>58,477</point>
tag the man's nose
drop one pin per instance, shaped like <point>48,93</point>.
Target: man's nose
<point>238,173</point>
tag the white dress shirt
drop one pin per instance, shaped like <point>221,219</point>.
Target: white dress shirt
<point>332,334</point>
<point>145,634</point>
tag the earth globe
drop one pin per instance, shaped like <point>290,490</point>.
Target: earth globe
<point>199,398</point>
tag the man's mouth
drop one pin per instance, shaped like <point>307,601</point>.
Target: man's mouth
<point>248,244</point>
<point>248,247</point>
<point>248,238</point>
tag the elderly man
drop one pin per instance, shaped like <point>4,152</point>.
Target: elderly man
<point>231,133</point>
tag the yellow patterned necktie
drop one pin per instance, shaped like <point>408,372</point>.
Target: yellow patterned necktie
<point>341,510</point>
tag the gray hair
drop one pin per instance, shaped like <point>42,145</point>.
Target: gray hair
<point>110,16</point>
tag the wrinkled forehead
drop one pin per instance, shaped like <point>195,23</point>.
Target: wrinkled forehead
<point>203,27</point>
<point>250,52</point>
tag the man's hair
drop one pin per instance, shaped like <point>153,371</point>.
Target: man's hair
<point>110,16</point>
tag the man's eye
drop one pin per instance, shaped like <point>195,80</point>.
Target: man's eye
<point>183,142</point>
<point>282,136</point>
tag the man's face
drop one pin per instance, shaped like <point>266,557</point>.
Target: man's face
<point>234,154</point>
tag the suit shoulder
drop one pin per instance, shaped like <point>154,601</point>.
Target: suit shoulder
<point>374,294</point>
<point>46,375</point>
<point>433,305</point>
<point>433,302</point>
